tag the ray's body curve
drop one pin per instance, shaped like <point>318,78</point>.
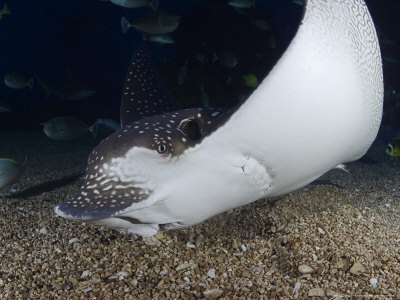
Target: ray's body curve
<point>324,95</point>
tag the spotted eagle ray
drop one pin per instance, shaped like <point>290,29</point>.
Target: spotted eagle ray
<point>170,171</point>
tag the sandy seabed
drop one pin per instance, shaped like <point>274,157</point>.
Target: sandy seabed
<point>338,239</point>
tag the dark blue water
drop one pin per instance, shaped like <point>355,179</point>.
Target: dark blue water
<point>82,40</point>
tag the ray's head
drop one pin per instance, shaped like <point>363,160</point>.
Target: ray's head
<point>126,169</point>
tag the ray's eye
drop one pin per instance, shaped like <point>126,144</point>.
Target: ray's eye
<point>161,148</point>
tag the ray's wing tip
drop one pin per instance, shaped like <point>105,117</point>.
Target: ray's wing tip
<point>65,211</point>
<point>70,212</point>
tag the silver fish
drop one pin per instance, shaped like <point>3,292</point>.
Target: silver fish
<point>4,11</point>
<point>158,22</point>
<point>201,57</point>
<point>162,39</point>
<point>10,171</point>
<point>227,59</point>
<point>261,24</point>
<point>136,3</point>
<point>66,90</point>
<point>4,108</point>
<point>16,80</point>
<point>242,3</point>
<point>107,123</point>
<point>65,128</point>
<point>298,2</point>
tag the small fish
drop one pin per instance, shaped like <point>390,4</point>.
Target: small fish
<point>250,80</point>
<point>65,128</point>
<point>10,171</point>
<point>388,42</point>
<point>272,42</point>
<point>390,59</point>
<point>242,3</point>
<point>4,11</point>
<point>298,2</point>
<point>108,123</point>
<point>261,24</point>
<point>4,108</point>
<point>163,39</point>
<point>66,90</point>
<point>158,22</point>
<point>112,124</point>
<point>16,80</point>
<point>201,57</point>
<point>227,59</point>
<point>136,3</point>
<point>393,148</point>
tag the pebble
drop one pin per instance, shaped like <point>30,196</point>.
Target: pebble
<point>122,275</point>
<point>357,268</point>
<point>211,273</point>
<point>87,289</point>
<point>296,287</point>
<point>43,230</point>
<point>159,235</point>
<point>213,294</point>
<point>316,292</point>
<point>134,282</point>
<point>73,240</point>
<point>272,215</point>
<point>305,269</point>
<point>374,282</point>
<point>96,279</point>
<point>235,244</point>
<point>342,263</point>
<point>161,283</point>
<point>151,240</point>
<point>190,245</point>
<point>199,240</point>
<point>184,266</point>
<point>86,274</point>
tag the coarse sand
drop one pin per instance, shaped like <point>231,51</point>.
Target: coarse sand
<point>336,239</point>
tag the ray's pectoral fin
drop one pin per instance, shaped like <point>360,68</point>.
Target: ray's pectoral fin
<point>88,205</point>
<point>144,93</point>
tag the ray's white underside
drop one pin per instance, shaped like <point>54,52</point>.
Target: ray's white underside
<point>319,107</point>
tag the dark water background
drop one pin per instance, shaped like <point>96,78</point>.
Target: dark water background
<point>57,40</point>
